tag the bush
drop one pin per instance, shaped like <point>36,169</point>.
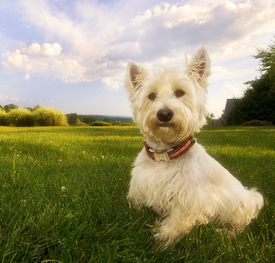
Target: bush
<point>3,118</point>
<point>87,119</point>
<point>257,123</point>
<point>117,123</point>
<point>130,123</point>
<point>72,118</point>
<point>20,117</point>
<point>50,117</point>
<point>101,123</point>
<point>81,124</point>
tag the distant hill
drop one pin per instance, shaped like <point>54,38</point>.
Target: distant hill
<point>112,118</point>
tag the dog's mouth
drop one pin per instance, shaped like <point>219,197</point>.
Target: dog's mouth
<point>164,124</point>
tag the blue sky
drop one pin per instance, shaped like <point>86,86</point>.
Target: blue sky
<point>72,55</point>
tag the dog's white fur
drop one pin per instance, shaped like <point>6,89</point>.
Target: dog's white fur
<point>195,188</point>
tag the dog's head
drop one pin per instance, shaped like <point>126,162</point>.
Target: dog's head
<point>169,106</point>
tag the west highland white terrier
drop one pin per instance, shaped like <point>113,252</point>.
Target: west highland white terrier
<point>173,174</point>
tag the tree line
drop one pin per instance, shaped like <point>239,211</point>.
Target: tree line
<point>84,120</point>
<point>9,107</point>
<point>12,115</point>
<point>258,101</point>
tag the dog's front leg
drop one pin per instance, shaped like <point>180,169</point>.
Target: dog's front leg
<point>136,196</point>
<point>173,228</point>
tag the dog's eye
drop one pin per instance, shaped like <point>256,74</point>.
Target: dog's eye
<point>152,96</point>
<point>179,93</point>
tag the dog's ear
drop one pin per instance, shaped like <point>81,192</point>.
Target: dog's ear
<point>199,67</point>
<point>136,75</point>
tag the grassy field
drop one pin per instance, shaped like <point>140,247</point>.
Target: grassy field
<point>62,197</point>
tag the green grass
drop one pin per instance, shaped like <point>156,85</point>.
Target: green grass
<point>63,197</point>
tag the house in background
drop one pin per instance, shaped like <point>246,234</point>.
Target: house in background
<point>228,107</point>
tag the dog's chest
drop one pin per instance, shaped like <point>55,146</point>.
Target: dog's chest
<point>160,175</point>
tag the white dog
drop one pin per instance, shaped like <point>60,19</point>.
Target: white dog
<point>173,175</point>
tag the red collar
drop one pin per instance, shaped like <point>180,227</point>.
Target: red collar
<point>172,154</point>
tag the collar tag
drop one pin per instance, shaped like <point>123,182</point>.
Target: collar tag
<point>162,157</point>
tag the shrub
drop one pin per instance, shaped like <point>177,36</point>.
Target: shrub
<point>257,123</point>
<point>3,118</point>
<point>117,123</point>
<point>20,117</point>
<point>81,124</point>
<point>50,117</point>
<point>87,119</point>
<point>72,118</point>
<point>101,123</point>
<point>130,123</point>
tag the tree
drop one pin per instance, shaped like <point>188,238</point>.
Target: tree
<point>72,118</point>
<point>209,119</point>
<point>9,107</point>
<point>34,108</point>
<point>88,119</point>
<point>258,102</point>
<point>107,120</point>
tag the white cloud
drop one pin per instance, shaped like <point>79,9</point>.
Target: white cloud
<point>234,91</point>
<point>3,97</point>
<point>96,42</point>
<point>47,50</point>
<point>14,59</point>
<point>15,99</point>
<point>44,60</point>
<point>112,83</point>
<point>218,69</point>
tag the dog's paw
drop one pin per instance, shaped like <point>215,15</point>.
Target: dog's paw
<point>167,235</point>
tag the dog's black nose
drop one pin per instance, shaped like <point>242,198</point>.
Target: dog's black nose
<point>165,115</point>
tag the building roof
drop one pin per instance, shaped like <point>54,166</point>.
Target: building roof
<point>228,107</point>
